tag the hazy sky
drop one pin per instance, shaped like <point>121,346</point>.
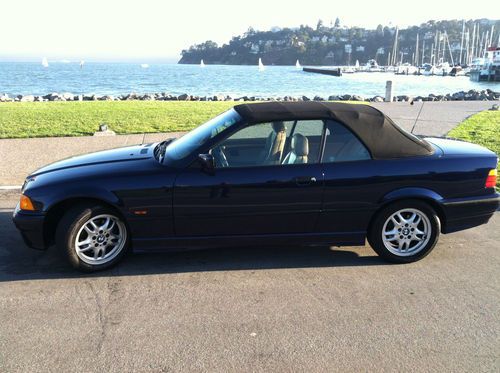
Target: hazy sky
<point>153,29</point>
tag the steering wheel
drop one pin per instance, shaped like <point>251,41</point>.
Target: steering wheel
<point>220,157</point>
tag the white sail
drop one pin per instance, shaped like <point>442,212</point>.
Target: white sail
<point>45,63</point>
<point>144,65</point>
<point>82,62</point>
<point>261,65</point>
<point>202,64</point>
<point>357,64</point>
<point>297,64</point>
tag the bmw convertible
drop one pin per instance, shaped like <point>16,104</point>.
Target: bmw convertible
<point>276,173</point>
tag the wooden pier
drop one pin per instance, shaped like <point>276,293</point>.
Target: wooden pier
<point>325,71</point>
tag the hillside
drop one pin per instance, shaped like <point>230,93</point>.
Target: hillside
<point>337,45</point>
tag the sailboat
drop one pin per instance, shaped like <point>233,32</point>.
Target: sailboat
<point>45,63</point>
<point>261,65</point>
<point>202,64</point>
<point>356,66</point>
<point>82,62</point>
<point>297,64</point>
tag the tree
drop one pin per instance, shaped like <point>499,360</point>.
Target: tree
<point>319,26</point>
<point>337,22</point>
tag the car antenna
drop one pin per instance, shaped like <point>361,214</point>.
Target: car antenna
<point>418,115</point>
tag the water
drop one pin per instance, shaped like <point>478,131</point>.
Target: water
<point>121,78</point>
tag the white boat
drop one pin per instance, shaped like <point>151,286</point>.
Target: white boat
<point>372,66</point>
<point>487,68</point>
<point>202,64</point>
<point>406,69</point>
<point>297,64</point>
<point>348,70</point>
<point>82,62</point>
<point>261,65</point>
<point>442,69</point>
<point>427,69</point>
<point>356,66</point>
<point>144,65</point>
<point>45,62</point>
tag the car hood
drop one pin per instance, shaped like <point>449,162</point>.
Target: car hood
<point>125,154</point>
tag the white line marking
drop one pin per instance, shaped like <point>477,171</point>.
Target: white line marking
<point>10,187</point>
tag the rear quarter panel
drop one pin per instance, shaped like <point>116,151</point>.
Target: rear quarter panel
<point>355,191</point>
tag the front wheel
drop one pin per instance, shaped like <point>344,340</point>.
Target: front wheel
<point>405,231</point>
<point>92,237</point>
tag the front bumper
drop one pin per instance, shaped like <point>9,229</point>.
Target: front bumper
<point>470,212</point>
<point>31,227</point>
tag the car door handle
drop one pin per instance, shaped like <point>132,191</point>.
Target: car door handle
<point>304,180</point>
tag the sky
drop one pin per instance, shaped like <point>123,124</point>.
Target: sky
<point>155,30</point>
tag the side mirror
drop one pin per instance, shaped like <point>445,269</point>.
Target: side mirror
<point>207,163</point>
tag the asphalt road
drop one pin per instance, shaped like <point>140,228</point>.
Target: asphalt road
<point>264,309</point>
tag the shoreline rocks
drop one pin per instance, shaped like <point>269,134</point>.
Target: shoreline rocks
<point>471,95</point>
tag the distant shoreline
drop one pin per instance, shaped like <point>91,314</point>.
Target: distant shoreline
<point>471,95</point>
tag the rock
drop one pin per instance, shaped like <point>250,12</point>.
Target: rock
<point>28,98</point>
<point>218,98</point>
<point>68,96</point>
<point>184,97</point>
<point>345,97</point>
<point>5,98</point>
<point>334,98</point>
<point>318,98</point>
<point>106,98</point>
<point>378,99</point>
<point>357,98</point>
<point>305,98</point>
<point>495,107</point>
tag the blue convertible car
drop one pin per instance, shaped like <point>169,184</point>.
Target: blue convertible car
<point>303,173</point>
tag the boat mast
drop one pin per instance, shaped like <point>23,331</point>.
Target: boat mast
<point>462,42</point>
<point>473,42</point>
<point>415,61</point>
<point>423,52</point>
<point>449,48</point>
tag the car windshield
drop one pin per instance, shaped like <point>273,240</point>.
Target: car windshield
<point>183,146</point>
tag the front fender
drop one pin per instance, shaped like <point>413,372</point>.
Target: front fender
<point>89,192</point>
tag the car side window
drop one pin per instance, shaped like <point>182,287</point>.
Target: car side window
<point>341,145</point>
<point>260,144</point>
<point>305,142</point>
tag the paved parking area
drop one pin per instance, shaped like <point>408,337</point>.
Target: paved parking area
<point>263,309</point>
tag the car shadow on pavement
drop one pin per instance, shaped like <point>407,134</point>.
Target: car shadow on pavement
<point>18,262</point>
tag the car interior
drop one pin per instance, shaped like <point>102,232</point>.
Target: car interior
<point>292,142</point>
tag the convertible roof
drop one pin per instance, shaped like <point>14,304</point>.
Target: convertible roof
<point>380,134</point>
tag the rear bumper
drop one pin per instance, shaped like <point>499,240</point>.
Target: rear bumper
<point>466,213</point>
<point>31,227</point>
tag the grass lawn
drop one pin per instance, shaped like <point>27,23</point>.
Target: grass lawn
<point>40,119</point>
<point>483,129</point>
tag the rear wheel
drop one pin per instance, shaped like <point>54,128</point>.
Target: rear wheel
<point>405,231</point>
<point>92,237</point>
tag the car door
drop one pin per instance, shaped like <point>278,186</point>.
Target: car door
<point>350,183</point>
<point>254,193</point>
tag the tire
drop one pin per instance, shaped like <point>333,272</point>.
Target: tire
<point>405,240</point>
<point>87,223</point>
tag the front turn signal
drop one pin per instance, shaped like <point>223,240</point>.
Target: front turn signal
<point>491,180</point>
<point>26,204</point>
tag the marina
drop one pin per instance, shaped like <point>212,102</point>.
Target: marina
<point>31,78</point>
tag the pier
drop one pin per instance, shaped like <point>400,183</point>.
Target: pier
<point>325,71</point>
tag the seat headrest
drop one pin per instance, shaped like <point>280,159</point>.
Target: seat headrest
<point>279,126</point>
<point>300,145</point>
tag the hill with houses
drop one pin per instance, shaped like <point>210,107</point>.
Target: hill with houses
<point>339,45</point>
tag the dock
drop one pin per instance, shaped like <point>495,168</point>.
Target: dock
<point>326,71</point>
